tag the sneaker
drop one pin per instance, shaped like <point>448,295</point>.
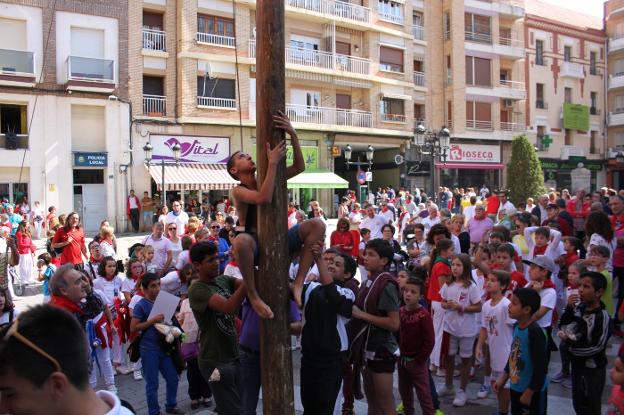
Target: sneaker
<point>559,377</point>
<point>460,398</point>
<point>567,382</point>
<point>484,391</point>
<point>137,375</point>
<point>445,390</point>
<point>122,370</point>
<point>400,410</point>
<point>175,411</point>
<point>112,388</point>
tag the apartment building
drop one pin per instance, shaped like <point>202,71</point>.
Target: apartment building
<point>614,28</point>
<point>565,109</point>
<point>63,129</point>
<point>355,75</point>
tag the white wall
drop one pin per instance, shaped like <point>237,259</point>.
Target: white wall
<point>34,28</point>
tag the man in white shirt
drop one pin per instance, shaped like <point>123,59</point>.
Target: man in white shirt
<point>163,248</point>
<point>410,206</point>
<point>387,212</point>
<point>432,219</point>
<point>373,222</point>
<point>179,217</point>
<point>469,211</point>
<point>505,204</point>
<point>484,191</point>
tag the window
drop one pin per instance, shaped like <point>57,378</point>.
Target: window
<point>13,192</point>
<point>419,112</point>
<point>619,104</point>
<point>539,96</point>
<point>87,43</point>
<point>343,101</point>
<point>567,95</point>
<point>478,28</point>
<point>478,71</point>
<point>153,85</point>
<point>567,137</point>
<point>619,139</point>
<point>539,53</point>
<point>447,25</point>
<point>592,64</point>
<point>593,141</point>
<point>541,132</point>
<point>417,19</point>
<point>392,109</point>
<point>478,115</point>
<point>619,67</point>
<point>593,106</point>
<point>215,25</point>
<point>152,20</point>
<point>390,59</point>
<point>13,34</point>
<point>567,53</point>
<point>215,88</point>
<point>449,73</point>
<point>391,11</point>
<point>13,119</point>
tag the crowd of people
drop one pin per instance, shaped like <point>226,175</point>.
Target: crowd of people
<point>455,286</point>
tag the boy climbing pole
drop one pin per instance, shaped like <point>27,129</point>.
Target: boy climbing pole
<point>249,194</point>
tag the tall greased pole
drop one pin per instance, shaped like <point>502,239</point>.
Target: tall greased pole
<point>272,282</point>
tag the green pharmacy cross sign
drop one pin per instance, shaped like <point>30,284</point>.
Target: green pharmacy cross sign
<point>547,141</point>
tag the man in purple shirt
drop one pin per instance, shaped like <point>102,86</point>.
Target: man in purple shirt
<point>250,354</point>
<point>478,225</point>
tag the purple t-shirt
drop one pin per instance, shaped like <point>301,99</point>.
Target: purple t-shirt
<point>476,228</point>
<point>250,331</point>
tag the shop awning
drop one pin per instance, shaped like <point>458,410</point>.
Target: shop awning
<point>318,179</point>
<point>459,165</point>
<point>193,176</point>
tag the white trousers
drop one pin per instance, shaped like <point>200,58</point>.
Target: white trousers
<point>105,368</point>
<point>438,329</point>
<point>25,269</point>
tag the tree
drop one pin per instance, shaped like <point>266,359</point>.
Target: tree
<point>524,171</point>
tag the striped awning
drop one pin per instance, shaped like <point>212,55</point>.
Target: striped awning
<point>193,176</point>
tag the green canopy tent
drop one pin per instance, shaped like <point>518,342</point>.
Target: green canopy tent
<point>317,179</point>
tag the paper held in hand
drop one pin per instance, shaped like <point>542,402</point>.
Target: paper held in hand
<point>166,305</point>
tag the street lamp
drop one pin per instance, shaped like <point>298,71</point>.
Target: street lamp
<point>434,144</point>
<point>148,149</point>
<point>370,152</point>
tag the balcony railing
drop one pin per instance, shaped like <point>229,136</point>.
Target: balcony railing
<point>449,124</point>
<point>17,62</point>
<point>512,84</point>
<point>154,39</point>
<point>90,69</point>
<point>333,8</point>
<point>329,116</point>
<point>418,32</point>
<point>540,104</point>
<point>479,125</point>
<point>513,126</point>
<point>515,43</point>
<point>389,16</point>
<point>321,59</point>
<point>419,78</point>
<point>216,102</point>
<point>211,39</point>
<point>154,105</point>
<point>594,111</point>
<point>392,117</point>
<point>21,142</point>
<point>481,37</point>
<point>449,79</point>
<point>541,61</point>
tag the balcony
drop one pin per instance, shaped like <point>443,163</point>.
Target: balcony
<point>387,14</point>
<point>541,104</point>
<point>419,79</point>
<point>154,105</point>
<point>321,60</point>
<point>219,40</point>
<point>594,111</point>
<point>510,48</point>
<point>21,143</point>
<point>212,102</point>
<point>90,74</point>
<point>392,117</point>
<point>515,127</point>
<point>507,8</point>
<point>572,151</point>
<point>616,117</point>
<point>333,8</point>
<point>154,39</point>
<point>418,32</point>
<point>322,116</point>
<point>479,125</point>
<point>479,37</point>
<point>572,70</point>
<point>616,80</point>
<point>17,68</point>
<point>503,90</point>
<point>616,44</point>
<point>541,61</point>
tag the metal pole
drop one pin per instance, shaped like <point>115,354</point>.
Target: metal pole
<point>164,192</point>
<point>432,168</point>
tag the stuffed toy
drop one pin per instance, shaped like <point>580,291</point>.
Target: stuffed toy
<point>170,332</point>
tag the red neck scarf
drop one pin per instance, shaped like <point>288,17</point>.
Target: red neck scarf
<point>66,304</point>
<point>539,250</point>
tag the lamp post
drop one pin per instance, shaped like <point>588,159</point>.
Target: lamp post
<point>434,144</point>
<point>370,152</point>
<point>149,149</point>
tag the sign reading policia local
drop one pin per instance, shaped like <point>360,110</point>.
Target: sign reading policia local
<point>575,117</point>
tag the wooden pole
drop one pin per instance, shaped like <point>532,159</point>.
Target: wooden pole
<point>272,282</point>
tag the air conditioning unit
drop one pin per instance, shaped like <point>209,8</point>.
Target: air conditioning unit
<point>508,103</point>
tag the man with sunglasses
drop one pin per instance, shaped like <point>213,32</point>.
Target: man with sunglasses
<point>44,368</point>
<point>163,248</point>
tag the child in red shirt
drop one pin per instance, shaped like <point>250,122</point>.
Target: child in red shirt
<point>616,400</point>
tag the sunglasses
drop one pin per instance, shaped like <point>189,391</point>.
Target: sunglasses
<point>172,229</point>
<point>12,332</point>
<point>214,227</point>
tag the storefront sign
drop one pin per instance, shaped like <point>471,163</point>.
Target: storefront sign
<point>90,159</point>
<point>552,164</point>
<point>575,117</point>
<point>474,153</point>
<point>193,149</point>
<point>310,156</point>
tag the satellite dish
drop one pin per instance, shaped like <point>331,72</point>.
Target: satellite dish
<point>399,159</point>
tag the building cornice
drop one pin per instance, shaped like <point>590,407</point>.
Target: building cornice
<point>548,25</point>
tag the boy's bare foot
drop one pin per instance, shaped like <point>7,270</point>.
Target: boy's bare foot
<point>297,289</point>
<point>260,307</point>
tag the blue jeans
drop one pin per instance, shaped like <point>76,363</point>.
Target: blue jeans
<point>154,361</point>
<point>250,382</point>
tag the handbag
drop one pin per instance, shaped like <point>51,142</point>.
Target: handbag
<point>189,351</point>
<point>134,354</point>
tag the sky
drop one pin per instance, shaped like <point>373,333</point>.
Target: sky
<point>593,7</point>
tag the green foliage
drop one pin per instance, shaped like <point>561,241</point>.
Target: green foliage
<point>524,172</point>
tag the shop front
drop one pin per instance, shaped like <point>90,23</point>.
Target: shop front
<point>471,165</point>
<point>557,172</point>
